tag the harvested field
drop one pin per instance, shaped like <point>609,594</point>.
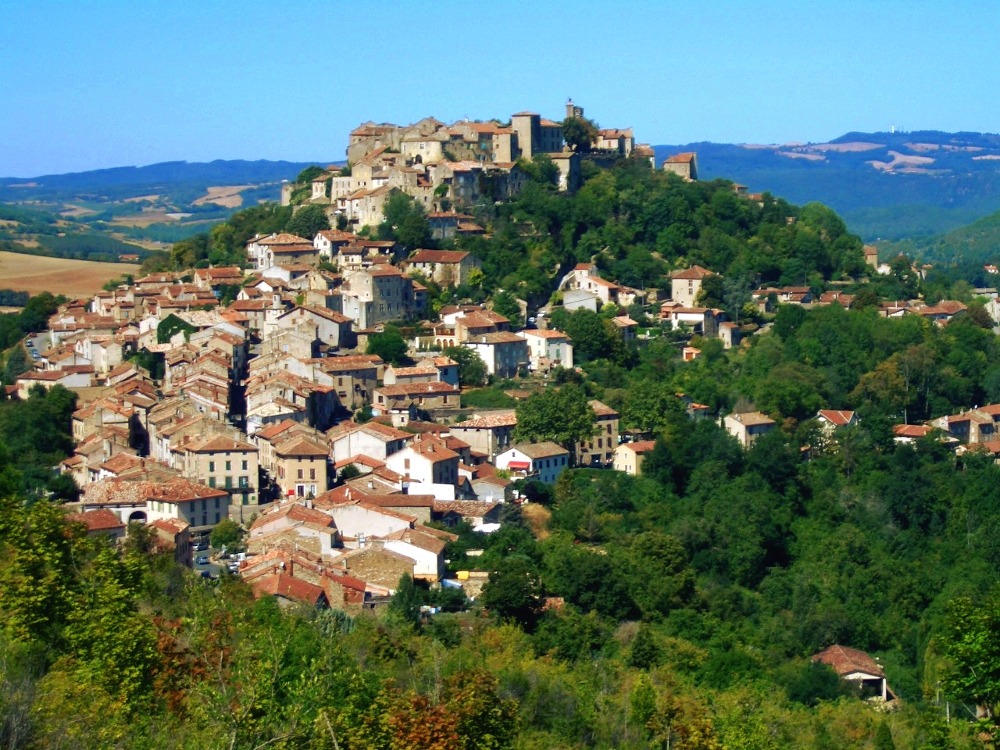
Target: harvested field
<point>74,278</point>
<point>227,196</point>
<point>537,517</point>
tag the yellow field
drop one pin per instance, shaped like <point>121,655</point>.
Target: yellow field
<point>74,278</point>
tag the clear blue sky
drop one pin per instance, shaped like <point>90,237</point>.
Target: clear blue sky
<point>92,84</point>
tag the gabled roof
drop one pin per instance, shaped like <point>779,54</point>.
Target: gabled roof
<point>489,421</point>
<point>301,446</point>
<point>546,449</point>
<point>911,430</point>
<point>837,418</point>
<point>640,446</point>
<point>179,490</point>
<point>438,256</point>
<point>97,520</point>
<point>847,661</point>
<point>694,272</point>
<point>287,587</point>
<point>751,418</point>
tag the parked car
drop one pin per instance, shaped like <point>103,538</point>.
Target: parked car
<point>202,560</point>
<point>234,567</point>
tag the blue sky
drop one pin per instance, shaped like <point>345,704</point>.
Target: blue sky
<point>86,84</point>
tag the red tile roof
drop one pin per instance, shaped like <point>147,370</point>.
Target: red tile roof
<point>287,587</point>
<point>97,520</point>
<point>838,418</point>
<point>846,661</point>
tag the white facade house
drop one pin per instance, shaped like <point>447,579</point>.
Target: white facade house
<point>504,353</point>
<point>541,461</point>
<point>548,348</point>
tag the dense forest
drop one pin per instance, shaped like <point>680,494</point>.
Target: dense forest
<point>677,609</point>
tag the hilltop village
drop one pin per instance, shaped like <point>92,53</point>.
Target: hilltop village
<point>345,470</point>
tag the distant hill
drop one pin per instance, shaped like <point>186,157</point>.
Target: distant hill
<point>973,245</point>
<point>175,179</point>
<point>885,185</point>
<point>104,213</point>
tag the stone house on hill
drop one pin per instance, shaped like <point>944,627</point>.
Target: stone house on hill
<point>748,426</point>
<point>541,461</point>
<point>446,267</point>
<point>686,284</point>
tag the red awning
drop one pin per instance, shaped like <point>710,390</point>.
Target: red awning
<point>519,465</point>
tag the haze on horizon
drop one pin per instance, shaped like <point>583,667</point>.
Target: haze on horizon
<point>96,85</point>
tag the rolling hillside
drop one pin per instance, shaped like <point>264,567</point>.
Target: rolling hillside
<point>886,185</point>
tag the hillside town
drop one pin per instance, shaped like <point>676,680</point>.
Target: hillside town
<point>344,470</point>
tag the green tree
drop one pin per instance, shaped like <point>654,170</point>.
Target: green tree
<point>561,415</point>
<point>406,601</point>
<point>307,175</point>
<point>505,303</point>
<point>883,737</point>
<point>644,652</point>
<point>308,221</point>
<point>514,592</point>
<point>17,363</point>
<point>471,368</point>
<point>405,221</point>
<point>390,346</point>
<point>591,334</point>
<point>971,643</point>
<point>227,533</point>
<point>579,133</point>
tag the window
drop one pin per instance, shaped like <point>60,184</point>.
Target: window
<point>204,503</point>
<point>312,473</point>
<point>216,517</point>
<point>245,465</point>
<point>300,474</point>
<point>229,483</point>
<point>244,481</point>
<point>229,465</point>
<point>211,465</point>
<point>406,463</point>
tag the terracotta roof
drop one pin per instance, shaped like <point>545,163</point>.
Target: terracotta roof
<point>419,389</point>
<point>97,520</point>
<point>218,444</point>
<point>500,337</point>
<point>911,430</point>
<point>546,333</point>
<point>179,490</point>
<point>752,418</point>
<point>287,587</point>
<point>602,410</point>
<point>540,450</point>
<point>846,661</point>
<point>384,432</point>
<point>121,462</point>
<point>170,525</point>
<point>301,446</point>
<point>438,256</point>
<point>640,446</point>
<point>694,272</point>
<point>838,418</point>
<point>489,421</point>
<point>281,239</point>
<point>683,158</point>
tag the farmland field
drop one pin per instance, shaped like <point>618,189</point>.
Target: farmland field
<point>74,278</point>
